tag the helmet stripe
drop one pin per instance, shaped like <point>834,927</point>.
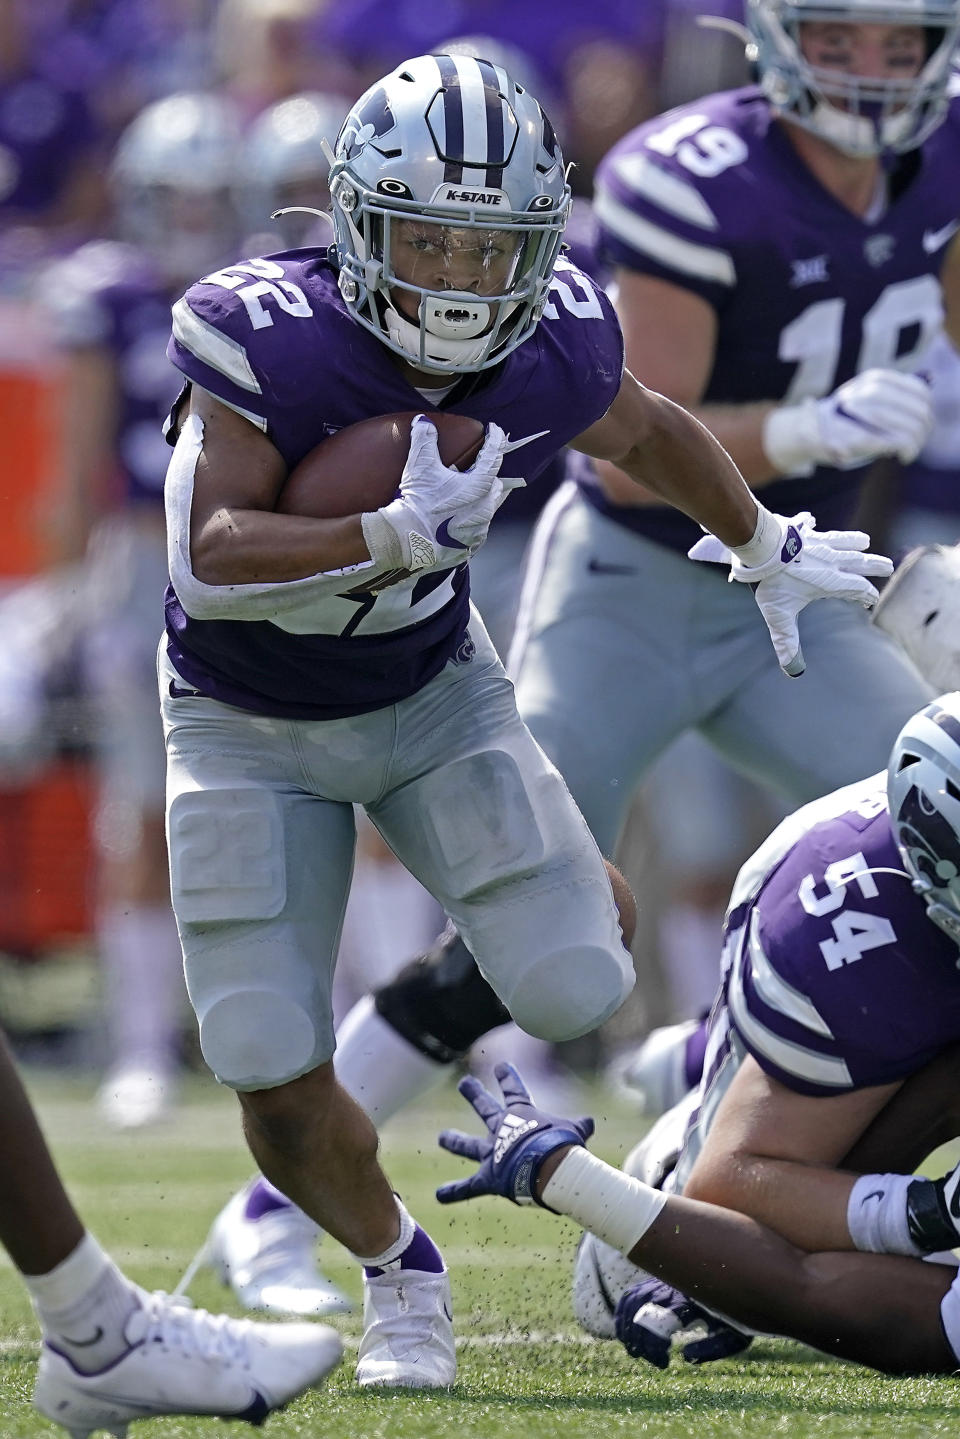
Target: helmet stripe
<point>495,133</point>
<point>452,119</point>
<point>946,721</point>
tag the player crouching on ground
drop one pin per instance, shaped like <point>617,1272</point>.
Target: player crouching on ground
<point>843,1273</point>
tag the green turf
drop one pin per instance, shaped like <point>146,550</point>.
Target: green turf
<point>525,1368</point>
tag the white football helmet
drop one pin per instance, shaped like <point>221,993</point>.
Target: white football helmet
<point>919,608</point>
<point>172,177</point>
<point>453,143</point>
<point>923,790</point>
<point>283,164</point>
<point>855,115</point>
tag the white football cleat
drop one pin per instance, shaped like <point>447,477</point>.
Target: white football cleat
<point>186,1361</point>
<point>265,1251</point>
<point>408,1330</point>
<point>132,1096</point>
<point>656,1073</point>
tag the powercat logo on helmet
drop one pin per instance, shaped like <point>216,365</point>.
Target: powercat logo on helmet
<point>460,195</point>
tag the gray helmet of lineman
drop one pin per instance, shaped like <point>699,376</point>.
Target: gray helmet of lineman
<point>283,164</point>
<point>455,145</point>
<point>172,176</point>
<point>856,115</point>
<point>923,791</point>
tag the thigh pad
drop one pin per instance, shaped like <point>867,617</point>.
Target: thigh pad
<point>227,855</point>
<point>478,822</point>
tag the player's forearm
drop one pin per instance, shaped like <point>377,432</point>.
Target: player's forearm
<point>840,1303</point>
<point>739,428</point>
<point>875,1309</point>
<point>682,463</point>
<point>240,547</point>
<point>804,1203</point>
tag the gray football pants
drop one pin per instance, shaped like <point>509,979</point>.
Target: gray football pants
<point>623,644</point>
<point>261,835</point>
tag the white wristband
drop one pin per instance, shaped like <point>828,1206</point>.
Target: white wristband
<point>791,436</point>
<point>765,542</point>
<point>612,1205</point>
<point>381,540</point>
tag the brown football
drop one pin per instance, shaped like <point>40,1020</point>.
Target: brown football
<point>359,468</point>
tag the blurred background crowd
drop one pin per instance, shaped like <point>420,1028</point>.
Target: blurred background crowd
<point>142,144</point>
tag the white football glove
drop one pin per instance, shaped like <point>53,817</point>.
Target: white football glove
<point>442,514</point>
<point>880,412</point>
<point>808,565</point>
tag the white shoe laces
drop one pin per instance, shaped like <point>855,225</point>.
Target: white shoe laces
<point>176,1325</point>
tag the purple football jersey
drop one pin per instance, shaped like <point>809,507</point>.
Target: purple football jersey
<point>108,295</point>
<point>273,339</point>
<point>839,980</point>
<point>712,197</point>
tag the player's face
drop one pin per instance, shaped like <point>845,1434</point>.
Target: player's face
<point>866,51</point>
<point>439,257</point>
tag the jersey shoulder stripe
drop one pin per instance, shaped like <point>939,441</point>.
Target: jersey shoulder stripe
<point>213,347</point>
<point>784,1057</point>
<point>642,176</point>
<point>775,991</point>
<point>665,247</point>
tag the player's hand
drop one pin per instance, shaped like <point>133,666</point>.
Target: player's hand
<point>809,565</point>
<point>441,514</point>
<point>518,1139</point>
<point>879,412</point>
<point>649,1315</point>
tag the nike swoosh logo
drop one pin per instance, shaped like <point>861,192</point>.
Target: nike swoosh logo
<point>83,1343</point>
<point>446,538</point>
<point>874,1194</point>
<point>857,420</point>
<point>934,240</point>
<point>597,567</point>
<point>512,445</point>
<point>448,1311</point>
<point>955,1203</point>
<point>176,693</point>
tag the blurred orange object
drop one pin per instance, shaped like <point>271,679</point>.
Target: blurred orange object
<point>45,860</point>
<point>28,418</point>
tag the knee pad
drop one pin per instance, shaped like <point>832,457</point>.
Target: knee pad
<point>569,992</point>
<point>440,1002</point>
<point>479,826</point>
<point>258,1039</point>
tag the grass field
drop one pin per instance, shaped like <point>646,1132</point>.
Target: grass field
<point>525,1368</point>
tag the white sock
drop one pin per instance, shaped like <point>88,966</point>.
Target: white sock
<point>83,1306</point>
<point>877,1215</point>
<point>377,1067</point>
<point>144,989</point>
<point>402,1241</point>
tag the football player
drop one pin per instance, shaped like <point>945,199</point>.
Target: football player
<point>832,1047</point>
<point>312,664</point>
<point>111,1351</point>
<point>109,303</point>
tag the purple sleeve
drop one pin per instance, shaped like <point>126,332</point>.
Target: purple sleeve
<point>658,216</point>
<point>838,979</point>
